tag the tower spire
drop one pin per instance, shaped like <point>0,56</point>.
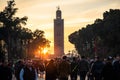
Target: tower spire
<point>58,7</point>
<point>58,13</point>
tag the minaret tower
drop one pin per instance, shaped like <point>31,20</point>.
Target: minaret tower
<point>58,34</point>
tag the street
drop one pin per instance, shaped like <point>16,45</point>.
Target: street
<point>42,77</point>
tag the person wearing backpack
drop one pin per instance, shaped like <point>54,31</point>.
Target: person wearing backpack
<point>74,69</point>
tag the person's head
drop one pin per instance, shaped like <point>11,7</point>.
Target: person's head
<point>64,57</point>
<point>1,62</point>
<point>97,58</point>
<point>51,61</point>
<point>117,57</point>
<point>82,57</point>
<point>74,58</point>
<point>109,59</point>
<point>28,63</point>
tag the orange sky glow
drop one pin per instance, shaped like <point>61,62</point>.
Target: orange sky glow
<point>76,14</point>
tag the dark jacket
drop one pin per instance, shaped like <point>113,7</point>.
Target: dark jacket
<point>64,69</point>
<point>83,65</point>
<point>29,74</point>
<point>51,71</point>
<point>5,73</point>
<point>74,67</point>
<point>108,72</point>
<point>97,68</point>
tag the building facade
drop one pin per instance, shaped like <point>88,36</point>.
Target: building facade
<point>58,34</point>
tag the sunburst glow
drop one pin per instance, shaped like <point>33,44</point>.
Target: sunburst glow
<point>76,14</point>
<point>45,50</point>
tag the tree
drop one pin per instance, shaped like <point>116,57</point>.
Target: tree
<point>11,25</point>
<point>102,35</point>
<point>18,39</point>
<point>39,41</point>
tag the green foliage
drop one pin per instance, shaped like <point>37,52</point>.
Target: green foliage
<point>101,37</point>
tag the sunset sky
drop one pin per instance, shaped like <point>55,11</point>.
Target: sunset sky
<point>76,14</point>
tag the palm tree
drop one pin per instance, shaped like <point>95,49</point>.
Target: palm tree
<point>11,25</point>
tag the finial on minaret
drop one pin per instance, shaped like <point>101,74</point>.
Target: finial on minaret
<point>58,7</point>
<point>58,13</point>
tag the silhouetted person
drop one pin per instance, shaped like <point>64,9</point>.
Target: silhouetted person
<point>10,70</point>
<point>74,69</point>
<point>97,68</point>
<point>51,71</point>
<point>108,72</point>
<point>90,75</point>
<point>116,66</point>
<point>28,72</point>
<point>64,69</point>
<point>5,71</point>
<point>83,68</point>
<point>18,66</point>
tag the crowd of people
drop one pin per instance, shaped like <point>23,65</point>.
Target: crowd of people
<point>61,68</point>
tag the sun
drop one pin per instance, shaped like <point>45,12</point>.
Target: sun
<point>45,50</point>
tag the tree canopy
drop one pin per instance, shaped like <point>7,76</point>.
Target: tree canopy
<point>100,38</point>
<point>17,38</point>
